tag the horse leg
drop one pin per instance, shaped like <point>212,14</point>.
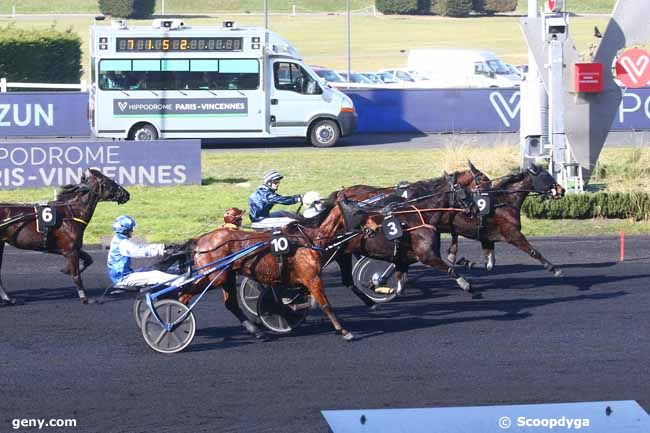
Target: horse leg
<point>426,245</point>
<point>345,264</point>
<point>3,295</point>
<point>229,289</point>
<point>453,249</point>
<point>315,287</point>
<point>488,252</point>
<point>86,259</point>
<point>73,266</point>
<point>519,240</point>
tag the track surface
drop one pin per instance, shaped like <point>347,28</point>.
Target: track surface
<point>531,339</point>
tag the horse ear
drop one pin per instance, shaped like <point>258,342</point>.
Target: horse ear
<point>473,169</point>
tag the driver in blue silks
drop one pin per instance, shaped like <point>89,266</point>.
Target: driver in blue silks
<point>266,196</point>
<point>123,249</point>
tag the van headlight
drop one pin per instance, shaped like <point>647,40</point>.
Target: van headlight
<point>347,104</point>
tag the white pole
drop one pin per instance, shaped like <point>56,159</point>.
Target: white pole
<point>349,54</point>
<point>3,85</point>
<point>13,9</point>
<point>266,14</point>
<point>163,7</point>
<point>293,10</point>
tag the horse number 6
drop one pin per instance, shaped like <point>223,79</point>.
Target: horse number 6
<point>46,214</point>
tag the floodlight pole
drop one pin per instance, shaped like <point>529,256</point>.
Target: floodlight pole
<point>266,14</point>
<point>349,54</point>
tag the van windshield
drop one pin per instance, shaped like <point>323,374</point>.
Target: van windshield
<point>498,67</point>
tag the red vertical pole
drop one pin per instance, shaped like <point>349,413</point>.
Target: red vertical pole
<point>622,257</point>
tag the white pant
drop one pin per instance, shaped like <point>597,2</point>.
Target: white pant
<point>150,278</point>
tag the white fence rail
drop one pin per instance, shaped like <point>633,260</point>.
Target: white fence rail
<point>4,85</point>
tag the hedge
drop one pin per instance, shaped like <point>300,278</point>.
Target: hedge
<point>494,6</point>
<point>403,7</point>
<point>584,206</point>
<point>40,55</point>
<point>453,8</point>
<point>127,8</point>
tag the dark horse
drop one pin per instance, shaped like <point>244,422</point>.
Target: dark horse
<point>422,242</point>
<point>73,209</point>
<point>301,268</point>
<point>503,223</point>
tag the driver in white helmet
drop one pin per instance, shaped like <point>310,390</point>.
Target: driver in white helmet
<point>266,196</point>
<point>313,204</point>
<point>123,249</point>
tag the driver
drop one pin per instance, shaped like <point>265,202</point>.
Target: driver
<point>123,249</point>
<point>266,196</point>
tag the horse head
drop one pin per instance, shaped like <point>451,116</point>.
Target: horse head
<point>105,188</point>
<point>543,182</point>
<point>478,177</point>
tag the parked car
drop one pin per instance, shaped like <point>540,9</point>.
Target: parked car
<point>462,68</point>
<point>355,77</point>
<point>375,78</point>
<point>328,75</point>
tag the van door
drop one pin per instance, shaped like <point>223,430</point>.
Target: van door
<point>296,97</point>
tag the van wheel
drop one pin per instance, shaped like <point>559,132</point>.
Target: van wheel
<point>143,132</point>
<point>324,133</point>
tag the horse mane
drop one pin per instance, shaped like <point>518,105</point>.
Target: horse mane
<point>509,179</point>
<point>70,191</point>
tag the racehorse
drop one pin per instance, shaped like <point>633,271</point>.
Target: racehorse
<point>503,222</point>
<point>72,211</point>
<point>299,268</point>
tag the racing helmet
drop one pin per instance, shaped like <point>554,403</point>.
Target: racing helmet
<point>311,198</point>
<point>123,224</point>
<point>272,176</point>
<point>233,216</point>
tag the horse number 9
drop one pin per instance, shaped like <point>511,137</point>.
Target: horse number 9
<point>481,203</point>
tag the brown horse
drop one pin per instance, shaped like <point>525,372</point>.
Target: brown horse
<point>72,211</point>
<point>445,191</point>
<point>503,223</point>
<point>300,268</point>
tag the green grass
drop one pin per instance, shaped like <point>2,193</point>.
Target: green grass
<point>243,6</point>
<point>178,213</point>
<point>377,42</point>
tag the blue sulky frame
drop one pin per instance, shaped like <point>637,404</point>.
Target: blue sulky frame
<point>219,265</point>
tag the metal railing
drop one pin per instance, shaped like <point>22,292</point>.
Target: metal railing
<point>4,85</point>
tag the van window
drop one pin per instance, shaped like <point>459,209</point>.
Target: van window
<point>481,68</point>
<point>498,67</point>
<point>404,76</point>
<point>292,77</point>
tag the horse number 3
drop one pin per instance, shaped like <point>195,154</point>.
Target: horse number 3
<point>392,228</point>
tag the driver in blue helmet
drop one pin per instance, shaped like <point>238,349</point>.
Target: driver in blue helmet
<point>266,196</point>
<point>123,249</point>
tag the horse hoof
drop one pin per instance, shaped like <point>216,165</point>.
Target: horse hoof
<point>65,271</point>
<point>451,258</point>
<point>8,302</point>
<point>347,336</point>
<point>373,307</point>
<point>464,284</point>
<point>87,301</point>
<point>558,273</point>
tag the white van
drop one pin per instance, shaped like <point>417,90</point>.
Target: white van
<point>462,68</point>
<point>171,80</point>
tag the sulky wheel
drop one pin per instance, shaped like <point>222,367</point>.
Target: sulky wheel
<point>283,310</point>
<point>180,335</point>
<point>367,274</point>
<point>248,292</point>
<point>139,310</point>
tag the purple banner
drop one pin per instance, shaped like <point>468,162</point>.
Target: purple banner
<point>162,163</point>
<point>47,114</point>
<point>380,111</point>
